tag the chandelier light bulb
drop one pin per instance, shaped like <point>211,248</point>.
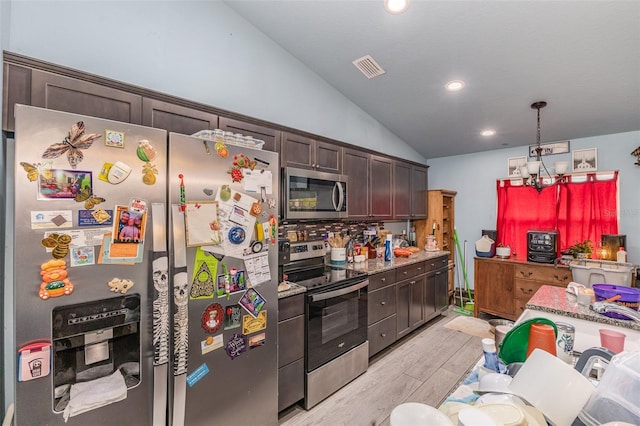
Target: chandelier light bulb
<point>396,6</point>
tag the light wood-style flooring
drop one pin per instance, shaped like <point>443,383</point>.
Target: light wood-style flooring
<point>423,367</point>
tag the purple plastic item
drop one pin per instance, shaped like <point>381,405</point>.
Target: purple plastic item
<point>630,297</point>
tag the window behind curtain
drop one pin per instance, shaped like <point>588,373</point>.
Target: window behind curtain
<point>578,210</point>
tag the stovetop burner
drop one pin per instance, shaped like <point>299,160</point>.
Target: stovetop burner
<point>326,277</point>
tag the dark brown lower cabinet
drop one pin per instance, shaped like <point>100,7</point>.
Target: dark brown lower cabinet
<point>410,314</point>
<point>290,350</point>
<point>381,301</point>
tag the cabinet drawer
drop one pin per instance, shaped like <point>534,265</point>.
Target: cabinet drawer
<point>289,307</point>
<point>437,263</point>
<point>290,384</point>
<point>520,306</point>
<point>525,289</point>
<point>381,334</point>
<point>382,279</point>
<point>290,340</point>
<point>548,275</point>
<point>381,303</point>
<point>410,271</point>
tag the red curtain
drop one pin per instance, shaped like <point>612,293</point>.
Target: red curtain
<point>577,210</point>
<point>586,210</point>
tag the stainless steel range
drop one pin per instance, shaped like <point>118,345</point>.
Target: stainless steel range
<point>336,345</point>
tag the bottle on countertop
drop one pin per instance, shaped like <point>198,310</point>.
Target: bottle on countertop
<point>387,249</point>
<point>621,256</point>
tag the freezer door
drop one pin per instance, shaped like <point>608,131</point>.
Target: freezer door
<point>62,177</point>
<point>224,359</point>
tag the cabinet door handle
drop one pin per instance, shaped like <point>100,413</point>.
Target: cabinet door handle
<point>412,282</point>
<point>383,335</point>
<point>383,279</point>
<point>433,265</point>
<point>405,272</point>
<point>561,279</point>
<point>383,303</point>
<point>527,274</point>
<point>523,291</point>
<point>439,273</point>
<point>420,269</point>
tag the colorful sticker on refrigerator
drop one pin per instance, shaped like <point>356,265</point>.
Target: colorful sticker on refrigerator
<point>44,219</point>
<point>232,316</point>
<point>231,282</point>
<point>257,340</point>
<point>257,266</point>
<point>198,374</point>
<point>212,318</point>
<point>202,223</point>
<point>63,184</point>
<point>82,256</point>
<point>75,141</point>
<point>89,199</point>
<point>252,302</point>
<point>251,325</point>
<point>211,343</point>
<point>129,226</point>
<point>95,217</point>
<point>114,139</point>
<point>236,345</point>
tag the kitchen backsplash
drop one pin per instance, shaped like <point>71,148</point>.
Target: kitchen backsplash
<point>315,230</point>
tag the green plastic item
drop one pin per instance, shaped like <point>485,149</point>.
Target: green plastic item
<point>469,305</point>
<point>513,347</point>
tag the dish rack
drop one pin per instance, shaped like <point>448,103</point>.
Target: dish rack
<point>590,271</point>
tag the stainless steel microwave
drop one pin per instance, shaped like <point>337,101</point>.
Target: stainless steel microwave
<point>309,194</point>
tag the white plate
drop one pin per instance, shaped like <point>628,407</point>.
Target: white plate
<point>495,382</point>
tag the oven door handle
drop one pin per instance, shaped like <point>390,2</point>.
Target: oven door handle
<point>335,293</point>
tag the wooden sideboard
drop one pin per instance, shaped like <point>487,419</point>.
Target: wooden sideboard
<point>502,287</point>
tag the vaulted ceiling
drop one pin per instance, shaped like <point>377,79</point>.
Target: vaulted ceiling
<point>582,57</point>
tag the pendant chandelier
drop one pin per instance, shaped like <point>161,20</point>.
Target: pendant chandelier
<point>531,171</point>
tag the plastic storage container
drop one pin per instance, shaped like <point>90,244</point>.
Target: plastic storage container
<point>616,397</point>
<point>230,138</point>
<point>588,272</point>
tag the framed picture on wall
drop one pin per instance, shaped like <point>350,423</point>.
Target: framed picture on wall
<point>585,160</point>
<point>514,166</point>
<point>549,148</point>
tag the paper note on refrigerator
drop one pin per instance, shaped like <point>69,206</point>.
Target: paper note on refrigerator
<point>255,180</point>
<point>257,267</point>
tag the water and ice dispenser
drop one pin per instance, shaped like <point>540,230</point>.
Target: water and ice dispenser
<point>92,340</point>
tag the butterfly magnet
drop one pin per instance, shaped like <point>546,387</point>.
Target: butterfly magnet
<point>36,170</point>
<point>90,200</point>
<point>72,145</point>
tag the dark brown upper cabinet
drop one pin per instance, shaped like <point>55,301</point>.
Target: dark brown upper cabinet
<point>306,153</point>
<point>401,190</point>
<point>176,118</point>
<point>53,91</point>
<point>16,89</point>
<point>268,135</point>
<point>381,191</point>
<point>419,179</point>
<point>357,170</point>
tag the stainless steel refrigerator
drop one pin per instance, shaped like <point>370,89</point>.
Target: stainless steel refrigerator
<point>112,324</point>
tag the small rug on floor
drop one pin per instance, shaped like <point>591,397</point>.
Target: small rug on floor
<point>470,325</point>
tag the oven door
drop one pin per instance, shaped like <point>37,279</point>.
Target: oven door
<point>336,322</point>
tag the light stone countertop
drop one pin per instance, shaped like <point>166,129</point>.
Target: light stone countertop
<point>556,300</point>
<point>372,266</point>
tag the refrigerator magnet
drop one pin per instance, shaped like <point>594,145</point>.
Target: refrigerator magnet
<point>54,280</point>
<point>232,316</point>
<point>37,170</point>
<point>211,343</point>
<point>118,172</point>
<point>197,374</point>
<point>212,318</point>
<point>252,302</point>
<point>120,286</point>
<point>257,340</point>
<point>252,325</point>
<point>231,282</point>
<point>202,283</point>
<point>113,139</point>
<point>75,141</point>
<point>236,345</point>
<point>34,361</point>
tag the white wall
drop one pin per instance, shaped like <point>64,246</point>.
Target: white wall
<point>198,50</point>
<point>474,177</point>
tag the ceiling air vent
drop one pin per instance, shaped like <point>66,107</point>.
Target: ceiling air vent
<point>368,66</point>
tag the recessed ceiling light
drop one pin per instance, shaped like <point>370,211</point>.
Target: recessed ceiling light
<point>396,6</point>
<point>454,85</point>
<point>488,132</point>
